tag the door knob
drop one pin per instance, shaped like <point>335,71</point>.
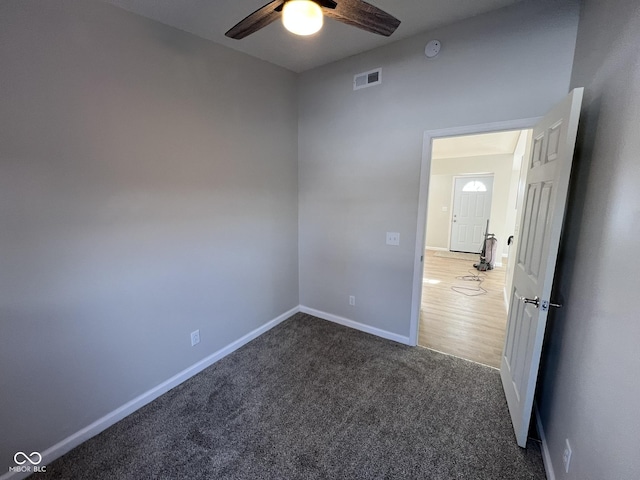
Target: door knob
<point>535,301</point>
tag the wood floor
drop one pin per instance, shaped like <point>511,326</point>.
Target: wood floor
<point>454,318</point>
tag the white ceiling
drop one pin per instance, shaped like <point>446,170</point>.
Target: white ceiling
<point>476,145</point>
<point>210,19</point>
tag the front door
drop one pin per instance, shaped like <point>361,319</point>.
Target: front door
<point>471,210</point>
<point>545,196</point>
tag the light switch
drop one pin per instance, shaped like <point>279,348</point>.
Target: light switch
<point>444,209</point>
<point>393,238</point>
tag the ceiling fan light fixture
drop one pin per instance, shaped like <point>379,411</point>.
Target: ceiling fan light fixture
<point>302,17</point>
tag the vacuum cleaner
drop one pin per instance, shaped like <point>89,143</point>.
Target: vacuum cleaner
<point>489,250</point>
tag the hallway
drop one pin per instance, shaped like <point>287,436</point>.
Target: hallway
<point>456,316</point>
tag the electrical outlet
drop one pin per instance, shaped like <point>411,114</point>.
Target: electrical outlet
<point>352,300</point>
<point>566,456</point>
<point>195,338</point>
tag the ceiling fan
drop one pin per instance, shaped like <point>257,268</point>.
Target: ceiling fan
<point>305,17</point>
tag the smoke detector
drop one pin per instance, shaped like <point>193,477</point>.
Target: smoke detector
<point>432,49</point>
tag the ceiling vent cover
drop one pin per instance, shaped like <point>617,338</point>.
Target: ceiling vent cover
<point>367,79</point>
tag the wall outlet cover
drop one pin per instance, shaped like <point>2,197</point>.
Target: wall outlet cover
<point>393,238</point>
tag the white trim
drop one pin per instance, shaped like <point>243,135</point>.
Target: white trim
<point>356,325</point>
<point>423,197</point>
<point>546,454</point>
<point>421,237</point>
<point>84,434</point>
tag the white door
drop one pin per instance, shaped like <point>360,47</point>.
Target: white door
<point>471,210</point>
<point>547,183</point>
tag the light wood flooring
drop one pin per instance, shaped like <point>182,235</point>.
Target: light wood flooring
<point>469,326</point>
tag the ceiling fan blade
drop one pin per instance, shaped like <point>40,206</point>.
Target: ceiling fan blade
<point>326,3</point>
<point>363,15</point>
<point>257,20</point>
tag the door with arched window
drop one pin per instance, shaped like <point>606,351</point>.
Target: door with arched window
<point>471,210</point>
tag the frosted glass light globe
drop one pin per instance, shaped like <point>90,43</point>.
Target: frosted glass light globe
<point>302,17</point>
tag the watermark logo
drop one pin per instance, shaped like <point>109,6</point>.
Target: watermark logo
<point>34,459</point>
<point>28,463</point>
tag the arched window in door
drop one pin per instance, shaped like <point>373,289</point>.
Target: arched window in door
<point>474,186</point>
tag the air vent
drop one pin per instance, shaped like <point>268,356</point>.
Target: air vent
<point>367,79</point>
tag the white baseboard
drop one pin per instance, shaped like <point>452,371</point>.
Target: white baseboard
<point>69,443</point>
<point>546,454</point>
<point>356,325</point>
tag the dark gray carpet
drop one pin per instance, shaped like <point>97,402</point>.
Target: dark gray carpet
<point>314,400</point>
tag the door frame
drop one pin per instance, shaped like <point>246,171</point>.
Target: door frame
<point>423,199</point>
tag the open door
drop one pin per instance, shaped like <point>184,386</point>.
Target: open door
<point>545,196</point>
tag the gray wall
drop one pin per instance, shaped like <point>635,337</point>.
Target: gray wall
<point>148,187</point>
<point>360,151</point>
<point>589,385</point>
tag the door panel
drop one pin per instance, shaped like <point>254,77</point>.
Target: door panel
<point>480,205</point>
<point>478,235</point>
<point>542,217</point>
<point>536,157</point>
<point>554,141</point>
<point>530,209</point>
<point>464,205</point>
<point>540,229</point>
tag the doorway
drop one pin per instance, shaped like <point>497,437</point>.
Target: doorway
<point>463,309</point>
